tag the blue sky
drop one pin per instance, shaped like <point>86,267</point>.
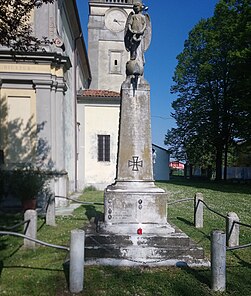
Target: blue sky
<point>171,23</point>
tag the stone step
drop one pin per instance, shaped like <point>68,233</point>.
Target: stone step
<point>154,248</point>
<point>171,240</point>
<point>143,253</point>
<point>126,249</point>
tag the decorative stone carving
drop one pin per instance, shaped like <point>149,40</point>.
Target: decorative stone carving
<point>138,32</point>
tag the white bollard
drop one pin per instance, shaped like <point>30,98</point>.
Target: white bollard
<point>77,248</point>
<point>51,212</point>
<point>31,228</point>
<point>218,260</point>
<point>233,230</point>
<point>198,210</point>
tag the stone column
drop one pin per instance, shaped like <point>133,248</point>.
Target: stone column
<point>198,210</point>
<point>134,165</point>
<point>77,249</point>
<point>133,202</point>
<point>61,182</point>
<point>53,120</point>
<point>218,260</point>
<point>233,229</point>
<point>44,121</point>
<point>31,230</point>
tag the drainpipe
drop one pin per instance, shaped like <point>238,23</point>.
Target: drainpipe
<point>75,113</point>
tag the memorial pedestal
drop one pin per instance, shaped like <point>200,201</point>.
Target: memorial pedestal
<point>135,230</point>
<point>127,212</point>
<point>133,202</point>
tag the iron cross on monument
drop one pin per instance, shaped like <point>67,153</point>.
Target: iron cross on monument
<point>135,163</point>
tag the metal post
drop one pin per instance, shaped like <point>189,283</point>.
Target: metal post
<point>198,210</point>
<point>31,228</point>
<point>77,248</point>
<point>218,260</point>
<point>233,230</point>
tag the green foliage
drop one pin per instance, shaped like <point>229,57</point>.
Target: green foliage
<point>28,183</point>
<point>212,83</point>
<point>4,182</point>
<point>15,27</point>
<point>90,188</point>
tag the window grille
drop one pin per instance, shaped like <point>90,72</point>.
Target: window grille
<point>103,147</point>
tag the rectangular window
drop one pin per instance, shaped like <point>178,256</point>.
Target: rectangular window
<point>103,147</point>
<point>115,62</point>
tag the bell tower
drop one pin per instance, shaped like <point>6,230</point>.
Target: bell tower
<point>106,49</point>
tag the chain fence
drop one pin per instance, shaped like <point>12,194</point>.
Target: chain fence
<point>34,240</point>
<point>14,226</point>
<point>80,202</point>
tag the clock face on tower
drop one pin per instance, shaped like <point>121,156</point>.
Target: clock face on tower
<point>115,20</point>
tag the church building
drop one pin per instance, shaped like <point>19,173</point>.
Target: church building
<point>38,96</point>
<point>98,107</point>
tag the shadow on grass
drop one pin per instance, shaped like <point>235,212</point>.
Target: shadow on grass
<point>201,275</point>
<point>13,253</point>
<point>3,243</point>
<point>189,223</point>
<point>92,214</point>
<point>241,261</point>
<point>7,221</point>
<point>66,269</point>
<point>41,226</point>
<point>178,281</point>
<point>1,267</point>
<point>30,267</point>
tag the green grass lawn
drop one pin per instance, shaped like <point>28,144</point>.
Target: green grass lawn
<point>41,272</point>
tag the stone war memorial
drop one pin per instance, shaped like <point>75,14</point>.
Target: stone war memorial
<point>135,229</point>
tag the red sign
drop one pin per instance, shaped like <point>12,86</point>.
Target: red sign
<point>176,165</point>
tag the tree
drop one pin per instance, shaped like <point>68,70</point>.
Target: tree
<point>15,26</point>
<point>212,82</point>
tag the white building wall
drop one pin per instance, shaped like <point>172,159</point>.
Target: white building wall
<point>161,159</point>
<point>97,120</point>
<point>243,173</point>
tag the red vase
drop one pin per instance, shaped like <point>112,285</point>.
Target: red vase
<point>29,204</point>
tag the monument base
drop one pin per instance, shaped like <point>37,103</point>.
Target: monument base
<point>132,212</point>
<point>170,249</point>
<point>135,232</point>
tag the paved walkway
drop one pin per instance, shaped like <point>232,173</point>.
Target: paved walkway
<point>68,210</point>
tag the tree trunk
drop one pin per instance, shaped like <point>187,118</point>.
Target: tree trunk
<point>185,170</point>
<point>190,170</point>
<point>209,172</point>
<point>225,161</point>
<point>219,153</point>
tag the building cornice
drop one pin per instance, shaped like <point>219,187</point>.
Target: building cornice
<point>161,148</point>
<point>99,101</point>
<point>55,59</point>
<point>122,5</point>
